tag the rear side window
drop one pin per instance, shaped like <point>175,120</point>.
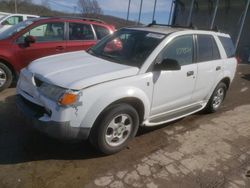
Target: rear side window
<point>79,31</point>
<point>101,31</point>
<point>207,48</point>
<point>228,46</point>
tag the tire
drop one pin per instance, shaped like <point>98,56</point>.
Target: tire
<point>217,98</point>
<point>115,128</point>
<point>6,77</point>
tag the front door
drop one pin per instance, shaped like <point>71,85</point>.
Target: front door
<point>173,89</point>
<point>49,40</point>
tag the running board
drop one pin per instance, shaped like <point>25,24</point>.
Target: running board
<point>174,115</point>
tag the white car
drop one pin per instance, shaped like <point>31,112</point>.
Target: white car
<point>9,20</point>
<point>141,76</point>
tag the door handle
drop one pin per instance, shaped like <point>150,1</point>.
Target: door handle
<point>59,48</point>
<point>190,73</point>
<point>218,68</point>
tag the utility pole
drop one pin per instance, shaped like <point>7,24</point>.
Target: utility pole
<point>129,1</point>
<point>154,11</point>
<point>15,6</point>
<point>139,19</point>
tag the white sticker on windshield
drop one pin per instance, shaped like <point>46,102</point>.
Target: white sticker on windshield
<point>156,36</point>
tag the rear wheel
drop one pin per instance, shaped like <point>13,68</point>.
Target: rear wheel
<point>217,98</point>
<point>6,77</point>
<point>116,127</point>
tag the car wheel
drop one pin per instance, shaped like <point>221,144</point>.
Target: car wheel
<point>5,77</point>
<point>115,128</point>
<point>217,98</point>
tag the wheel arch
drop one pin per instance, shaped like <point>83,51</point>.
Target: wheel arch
<point>134,102</point>
<point>226,81</point>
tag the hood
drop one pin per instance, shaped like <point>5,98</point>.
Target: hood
<point>78,70</point>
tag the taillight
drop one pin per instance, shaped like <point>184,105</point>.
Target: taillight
<point>238,59</point>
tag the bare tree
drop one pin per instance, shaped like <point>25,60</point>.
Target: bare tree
<point>45,3</point>
<point>89,7</point>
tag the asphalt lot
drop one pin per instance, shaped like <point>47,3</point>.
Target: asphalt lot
<point>203,150</point>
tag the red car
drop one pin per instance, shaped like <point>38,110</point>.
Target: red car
<point>39,37</point>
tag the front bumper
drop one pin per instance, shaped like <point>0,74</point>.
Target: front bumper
<point>59,130</point>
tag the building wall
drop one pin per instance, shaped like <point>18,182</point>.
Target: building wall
<point>228,18</point>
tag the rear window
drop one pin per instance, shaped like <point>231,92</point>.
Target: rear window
<point>228,46</point>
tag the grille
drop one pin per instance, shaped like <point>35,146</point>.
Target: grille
<point>38,111</point>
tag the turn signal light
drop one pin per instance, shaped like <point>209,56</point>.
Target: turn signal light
<point>68,99</point>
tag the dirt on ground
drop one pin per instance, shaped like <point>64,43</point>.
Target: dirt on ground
<point>202,150</point>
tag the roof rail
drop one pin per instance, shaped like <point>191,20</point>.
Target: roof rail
<point>191,26</point>
<point>81,18</point>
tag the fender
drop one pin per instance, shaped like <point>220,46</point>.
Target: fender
<point>112,96</point>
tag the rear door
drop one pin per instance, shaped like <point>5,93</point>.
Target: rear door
<point>50,40</point>
<point>80,36</point>
<point>210,66</point>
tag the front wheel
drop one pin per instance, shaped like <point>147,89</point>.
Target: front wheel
<point>217,98</point>
<point>115,128</point>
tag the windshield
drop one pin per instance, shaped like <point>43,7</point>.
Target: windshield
<point>14,29</point>
<point>127,46</point>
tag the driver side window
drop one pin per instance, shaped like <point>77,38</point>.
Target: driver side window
<point>48,32</point>
<point>180,49</point>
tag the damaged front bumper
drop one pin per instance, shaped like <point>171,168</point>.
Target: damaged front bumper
<point>59,130</point>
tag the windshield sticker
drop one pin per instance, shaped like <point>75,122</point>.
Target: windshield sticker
<point>156,36</point>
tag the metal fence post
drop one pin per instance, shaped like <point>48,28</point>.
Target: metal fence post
<point>242,24</point>
<point>171,12</point>
<point>154,11</point>
<point>129,1</point>
<point>190,13</point>
<point>215,13</point>
<point>139,19</point>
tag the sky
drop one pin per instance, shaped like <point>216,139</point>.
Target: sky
<point>119,8</point>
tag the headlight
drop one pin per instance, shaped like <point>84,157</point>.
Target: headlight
<point>58,94</point>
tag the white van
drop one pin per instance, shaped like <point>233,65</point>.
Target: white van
<point>8,21</point>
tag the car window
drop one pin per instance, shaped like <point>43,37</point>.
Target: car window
<point>46,32</point>
<point>30,17</point>
<point>207,48</point>
<point>228,46</point>
<point>79,31</point>
<point>101,31</point>
<point>180,50</point>
<point>13,20</point>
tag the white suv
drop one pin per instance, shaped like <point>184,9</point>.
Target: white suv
<point>140,76</point>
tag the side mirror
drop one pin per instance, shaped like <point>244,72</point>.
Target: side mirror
<point>29,39</point>
<point>167,64</point>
